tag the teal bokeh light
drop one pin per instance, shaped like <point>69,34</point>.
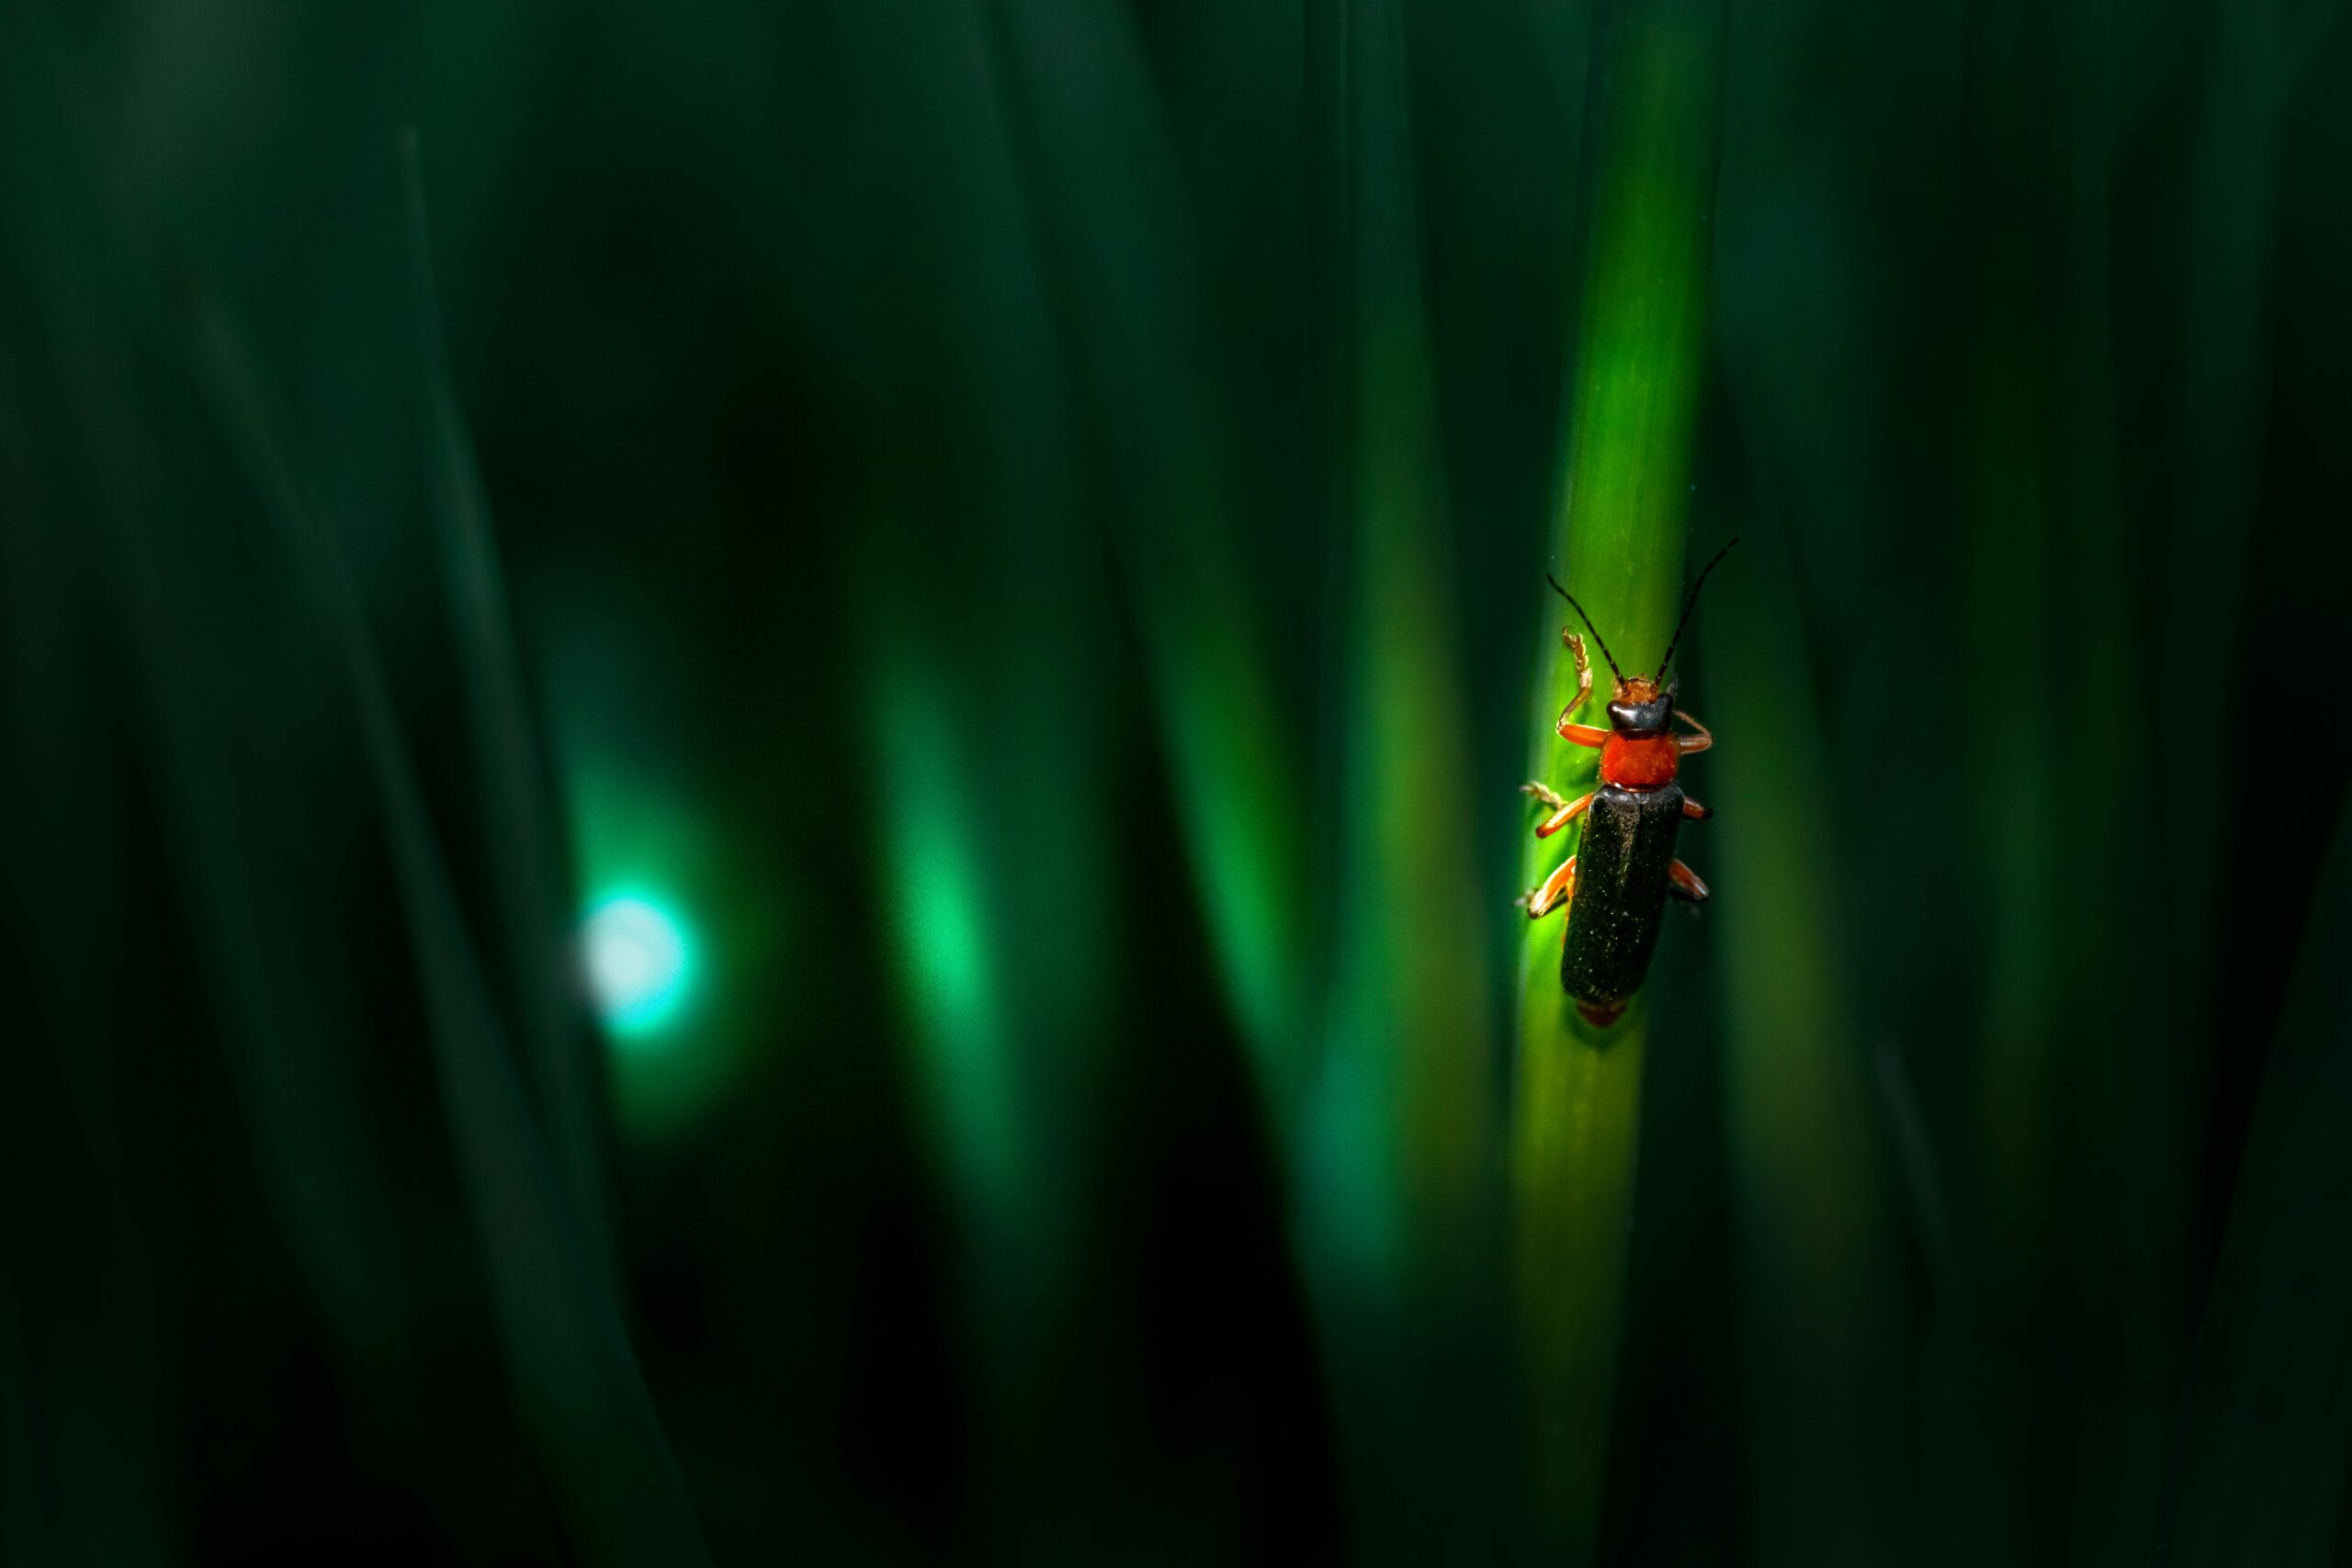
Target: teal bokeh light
<point>639,964</point>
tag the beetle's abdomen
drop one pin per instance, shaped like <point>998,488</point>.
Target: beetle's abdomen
<point>1620,896</point>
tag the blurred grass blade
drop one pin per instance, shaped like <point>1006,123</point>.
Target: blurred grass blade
<point>1922,1174</point>
<point>1008,966</point>
<point>2262,1454</point>
<point>947,948</point>
<point>2069,1054</point>
<point>515,782</point>
<point>1400,1166</point>
<point>87,1451</point>
<point>580,1395</point>
<point>577,1390</point>
<point>1408,999</point>
<point>2230,232</point>
<point>1110,209</point>
<point>1633,409</point>
<point>285,993</point>
<point>1807,1169</point>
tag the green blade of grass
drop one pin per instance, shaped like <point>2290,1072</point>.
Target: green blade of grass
<point>1633,409</point>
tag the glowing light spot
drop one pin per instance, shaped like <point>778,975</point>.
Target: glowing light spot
<point>639,963</point>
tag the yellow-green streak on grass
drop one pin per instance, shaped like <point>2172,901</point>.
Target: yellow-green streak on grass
<point>1407,1003</point>
<point>1399,1157</point>
<point>1406,985</point>
<point>1633,413</point>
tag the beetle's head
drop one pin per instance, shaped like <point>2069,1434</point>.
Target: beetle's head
<point>1641,708</point>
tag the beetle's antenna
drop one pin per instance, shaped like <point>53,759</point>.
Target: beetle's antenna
<point>1588,625</point>
<point>1689,604</point>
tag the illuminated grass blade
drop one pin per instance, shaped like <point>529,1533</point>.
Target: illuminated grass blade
<point>1633,412</point>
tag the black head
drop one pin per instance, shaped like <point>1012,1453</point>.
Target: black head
<point>1642,707</point>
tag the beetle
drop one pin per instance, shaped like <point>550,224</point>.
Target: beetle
<point>1616,885</point>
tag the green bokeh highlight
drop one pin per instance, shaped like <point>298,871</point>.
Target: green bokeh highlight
<point>640,962</point>
<point>673,1054</point>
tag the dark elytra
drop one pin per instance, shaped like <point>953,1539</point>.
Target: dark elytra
<point>1622,876</point>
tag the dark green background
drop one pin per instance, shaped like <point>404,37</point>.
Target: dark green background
<point>829,479</point>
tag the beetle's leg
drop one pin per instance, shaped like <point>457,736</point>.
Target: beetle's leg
<point>1686,744</point>
<point>1556,890</point>
<point>1582,734</point>
<point>1683,882</point>
<point>1696,812</point>
<point>1563,811</point>
<point>1574,644</point>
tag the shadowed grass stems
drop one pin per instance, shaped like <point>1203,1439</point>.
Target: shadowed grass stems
<point>2264,1436</point>
<point>577,1387</point>
<point>517,787</point>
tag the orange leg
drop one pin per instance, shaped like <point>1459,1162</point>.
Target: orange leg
<point>1686,744</point>
<point>1563,811</point>
<point>1696,812</point>
<point>1582,734</point>
<point>1557,889</point>
<point>1684,884</point>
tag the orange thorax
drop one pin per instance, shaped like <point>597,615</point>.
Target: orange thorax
<point>1643,762</point>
